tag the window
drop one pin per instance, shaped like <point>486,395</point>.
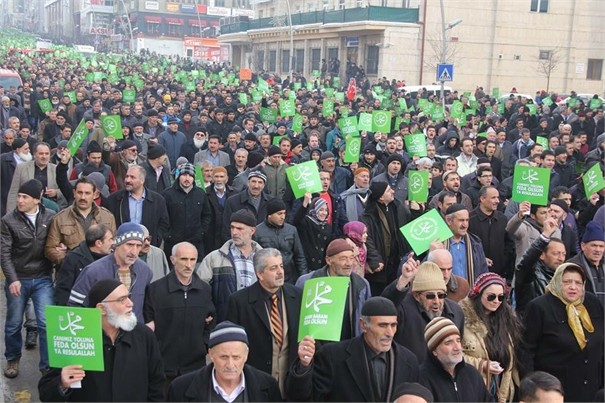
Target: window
<point>153,29</point>
<point>260,60</point>
<point>219,3</point>
<point>539,6</point>
<point>272,60</point>
<point>315,59</point>
<point>261,13</point>
<point>341,4</point>
<point>332,53</point>
<point>299,65</point>
<point>372,60</point>
<point>285,61</point>
<point>174,30</point>
<point>595,69</point>
<point>545,55</point>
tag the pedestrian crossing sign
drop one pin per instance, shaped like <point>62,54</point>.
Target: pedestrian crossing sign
<point>445,72</point>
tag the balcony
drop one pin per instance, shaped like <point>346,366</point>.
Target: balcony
<point>371,13</point>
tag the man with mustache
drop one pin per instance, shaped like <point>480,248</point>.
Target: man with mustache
<point>179,309</point>
<point>133,365</point>
<point>367,368</point>
<point>270,310</point>
<point>123,264</point>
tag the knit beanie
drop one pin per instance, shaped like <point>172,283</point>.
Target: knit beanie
<point>155,151</point>
<point>484,281</point>
<point>428,278</point>
<point>100,290</point>
<point>227,331</point>
<point>594,232</point>
<point>93,147</point>
<point>254,158</point>
<point>33,188</point>
<point>245,217</point>
<point>438,330</point>
<point>337,246</point>
<point>377,189</point>
<point>187,169</point>
<point>129,231</point>
<point>378,306</point>
<point>275,205</point>
<point>257,173</point>
<point>18,143</point>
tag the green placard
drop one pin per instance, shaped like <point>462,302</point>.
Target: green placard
<point>339,96</point>
<point>531,184</point>
<point>377,89</point>
<point>415,144</point>
<point>199,177</point>
<point>593,180</point>
<point>292,95</point>
<point>329,92</point>
<point>365,122</point>
<point>243,98</point>
<point>423,104</point>
<point>112,125</point>
<point>547,101</point>
<point>257,96</point>
<point>418,186</point>
<point>262,85</point>
<point>74,337</point>
<point>533,109</point>
<point>287,108</point>
<point>322,308</point>
<point>304,178</point>
<point>403,106</point>
<point>297,124</point>
<point>45,105</point>
<point>328,107</point>
<point>425,229</point>
<point>457,110</point>
<point>297,86</point>
<point>276,140</point>
<point>129,96</point>
<point>336,82</point>
<point>352,149</point>
<point>72,96</point>
<point>348,126</point>
<point>77,137</point>
<point>595,103</point>
<point>572,102</point>
<point>315,73</point>
<point>381,121</point>
<point>482,134</point>
<point>496,92</point>
<point>543,141</point>
<point>268,115</point>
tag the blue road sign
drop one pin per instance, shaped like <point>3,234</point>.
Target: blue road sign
<point>445,72</point>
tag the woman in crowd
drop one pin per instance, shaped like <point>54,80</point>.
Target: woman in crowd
<point>564,334</point>
<point>491,335</point>
<point>357,232</point>
<point>314,230</point>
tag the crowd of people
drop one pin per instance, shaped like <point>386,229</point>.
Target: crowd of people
<point>184,231</point>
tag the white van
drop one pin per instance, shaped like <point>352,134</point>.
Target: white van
<point>431,89</point>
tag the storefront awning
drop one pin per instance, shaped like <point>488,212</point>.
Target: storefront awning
<point>196,23</point>
<point>153,20</point>
<point>174,21</point>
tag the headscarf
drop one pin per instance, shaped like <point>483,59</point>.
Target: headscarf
<point>577,314</point>
<point>316,204</point>
<point>354,231</point>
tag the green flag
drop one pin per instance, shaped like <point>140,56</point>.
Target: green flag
<point>415,144</point>
<point>352,149</point>
<point>328,107</point>
<point>199,177</point>
<point>287,108</point>
<point>263,85</point>
<point>593,180</point>
<point>348,126</point>
<point>77,137</point>
<point>315,73</point>
<point>297,86</point>
<point>322,308</point>
<point>340,96</point>
<point>402,104</point>
<point>423,104</point>
<point>542,141</point>
<point>74,337</point>
<point>496,92</point>
<point>365,122</point>
<point>547,101</point>
<point>533,109</point>
<point>595,103</point>
<point>268,115</point>
<point>276,140</point>
<point>243,98</point>
<point>45,105</point>
<point>381,121</point>
<point>112,125</point>
<point>418,186</point>
<point>72,96</point>
<point>425,229</point>
<point>457,110</point>
<point>304,178</point>
<point>297,124</point>
<point>129,96</point>
<point>531,184</point>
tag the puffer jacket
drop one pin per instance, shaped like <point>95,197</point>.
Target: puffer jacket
<point>22,247</point>
<point>475,352</point>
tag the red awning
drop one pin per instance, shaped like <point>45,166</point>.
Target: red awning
<point>196,23</point>
<point>174,21</point>
<point>153,20</point>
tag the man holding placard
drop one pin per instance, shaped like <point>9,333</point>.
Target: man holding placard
<point>133,368</point>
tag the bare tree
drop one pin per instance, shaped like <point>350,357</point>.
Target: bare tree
<point>433,56</point>
<point>548,61</point>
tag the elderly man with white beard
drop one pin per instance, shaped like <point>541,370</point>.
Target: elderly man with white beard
<point>133,363</point>
<point>123,264</point>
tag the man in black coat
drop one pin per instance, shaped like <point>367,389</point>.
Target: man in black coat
<point>149,207</point>
<point>189,211</point>
<point>8,164</point>
<point>98,243</point>
<point>366,368</point>
<point>227,374</point>
<point>252,309</point>
<point>218,193</point>
<point>179,309</point>
<point>156,160</point>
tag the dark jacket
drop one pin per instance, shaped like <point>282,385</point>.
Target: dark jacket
<point>494,238</point>
<point>286,240</point>
<point>151,179</point>
<point>413,320</point>
<point>155,214</point>
<point>466,386</point>
<point>240,201</point>
<point>342,179</point>
<point>591,273</point>
<point>22,246</point>
<point>248,308</point>
<point>552,347</point>
<point>566,172</point>
<point>188,150</point>
<point>314,238</point>
<point>133,373</point>
<point>190,216</point>
<point>338,213</point>
<point>531,275</point>
<point>75,260</point>
<point>7,170</point>
<point>212,239</point>
<point>180,321</point>
<point>340,373</point>
<point>196,386</point>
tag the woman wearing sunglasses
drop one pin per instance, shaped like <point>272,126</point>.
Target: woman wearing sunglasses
<point>491,335</point>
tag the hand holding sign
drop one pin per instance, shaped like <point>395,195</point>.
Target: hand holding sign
<point>306,350</point>
<point>408,272</point>
<point>71,374</point>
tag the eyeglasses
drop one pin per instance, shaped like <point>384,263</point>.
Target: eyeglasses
<point>148,239</point>
<point>432,295</point>
<point>492,297</point>
<point>120,300</point>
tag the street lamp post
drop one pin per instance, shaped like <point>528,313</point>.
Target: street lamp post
<point>131,44</point>
<point>290,62</point>
<point>442,59</point>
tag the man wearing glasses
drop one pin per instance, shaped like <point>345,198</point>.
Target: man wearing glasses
<point>426,301</point>
<point>123,265</point>
<point>121,161</point>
